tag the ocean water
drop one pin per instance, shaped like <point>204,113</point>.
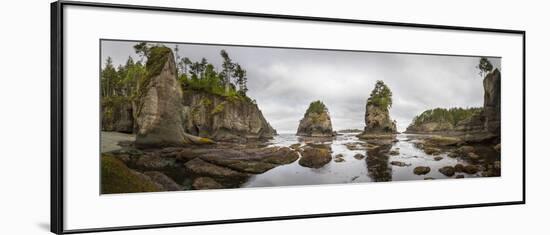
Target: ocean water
<point>369,169</point>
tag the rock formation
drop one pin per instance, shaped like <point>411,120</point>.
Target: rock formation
<point>377,119</point>
<point>163,114</point>
<point>491,104</point>
<point>222,119</point>
<point>116,115</point>
<point>316,121</point>
<point>377,115</point>
<point>481,125</point>
<point>159,108</point>
<point>441,120</point>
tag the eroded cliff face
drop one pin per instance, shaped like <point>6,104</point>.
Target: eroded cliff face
<point>316,123</point>
<point>159,108</point>
<point>491,104</point>
<point>223,119</point>
<point>377,120</point>
<point>430,127</point>
<point>116,114</point>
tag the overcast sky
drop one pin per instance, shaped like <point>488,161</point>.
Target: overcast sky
<point>285,81</point>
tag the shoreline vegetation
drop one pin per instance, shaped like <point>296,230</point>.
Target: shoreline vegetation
<point>189,126</point>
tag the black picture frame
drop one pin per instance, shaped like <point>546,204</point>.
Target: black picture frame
<point>57,215</point>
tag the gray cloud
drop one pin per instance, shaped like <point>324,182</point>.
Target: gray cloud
<point>285,81</point>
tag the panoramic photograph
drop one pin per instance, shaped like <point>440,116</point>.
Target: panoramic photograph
<point>183,116</point>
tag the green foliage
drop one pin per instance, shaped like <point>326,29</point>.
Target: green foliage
<point>202,76</point>
<point>142,49</point>
<point>452,115</point>
<point>316,107</point>
<point>130,79</point>
<point>218,109</point>
<point>484,66</point>
<point>380,96</point>
<point>118,178</point>
<point>122,81</point>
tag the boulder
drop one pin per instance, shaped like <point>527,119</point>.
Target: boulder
<point>399,163</point>
<point>315,157</point>
<point>447,171</point>
<point>116,177</point>
<point>206,183</point>
<point>459,168</point>
<point>421,170</point>
<point>471,169</point>
<point>359,156</point>
<point>163,180</point>
<point>316,121</point>
<point>465,150</point>
<point>432,150</point>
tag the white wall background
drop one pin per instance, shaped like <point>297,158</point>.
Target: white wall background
<point>24,97</point>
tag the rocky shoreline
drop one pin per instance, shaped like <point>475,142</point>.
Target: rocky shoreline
<point>193,139</point>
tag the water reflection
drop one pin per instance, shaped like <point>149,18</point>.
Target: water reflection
<point>375,167</point>
<point>378,167</point>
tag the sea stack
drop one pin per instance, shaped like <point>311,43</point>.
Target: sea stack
<point>159,106</point>
<point>377,116</point>
<point>316,121</point>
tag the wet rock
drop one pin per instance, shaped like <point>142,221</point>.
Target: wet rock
<point>206,183</point>
<point>254,161</point>
<point>438,158</point>
<point>471,169</point>
<point>339,158</point>
<point>275,155</point>
<point>394,152</point>
<point>154,162</point>
<point>200,167</point>
<point>361,146</point>
<point>399,163</point>
<point>315,157</point>
<point>429,178</point>
<point>432,151</point>
<point>447,171</point>
<point>452,155</point>
<point>421,170</point>
<point>459,168</point>
<point>473,156</point>
<point>163,180</point>
<point>459,176</point>
<point>359,156</point>
<point>295,146</point>
<point>465,149</point>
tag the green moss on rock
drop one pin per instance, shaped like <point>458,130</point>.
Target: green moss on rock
<point>118,178</point>
<point>158,57</point>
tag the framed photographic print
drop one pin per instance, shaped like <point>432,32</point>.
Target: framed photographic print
<point>176,117</point>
